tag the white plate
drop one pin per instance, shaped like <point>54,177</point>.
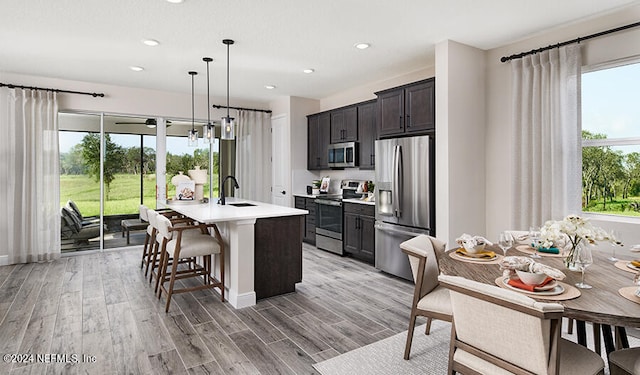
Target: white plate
<point>558,289</point>
<point>633,267</point>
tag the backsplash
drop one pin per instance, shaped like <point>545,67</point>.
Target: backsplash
<point>302,177</point>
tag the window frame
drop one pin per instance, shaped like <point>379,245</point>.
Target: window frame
<point>627,141</point>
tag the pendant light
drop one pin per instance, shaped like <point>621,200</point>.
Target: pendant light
<point>228,131</point>
<point>193,133</point>
<point>208,130</point>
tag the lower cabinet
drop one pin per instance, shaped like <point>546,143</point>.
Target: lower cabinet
<point>359,232</point>
<point>309,225</point>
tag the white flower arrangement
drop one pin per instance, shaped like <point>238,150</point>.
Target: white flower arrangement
<point>574,229</point>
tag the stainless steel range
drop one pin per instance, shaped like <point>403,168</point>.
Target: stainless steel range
<point>329,217</point>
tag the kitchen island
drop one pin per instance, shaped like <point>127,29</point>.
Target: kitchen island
<point>264,246</point>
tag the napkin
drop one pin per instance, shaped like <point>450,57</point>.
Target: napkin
<point>512,263</point>
<point>635,263</point>
<point>473,240</point>
<point>550,250</point>
<point>517,283</point>
<point>480,254</point>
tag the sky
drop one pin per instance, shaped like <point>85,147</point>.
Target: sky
<point>611,101</point>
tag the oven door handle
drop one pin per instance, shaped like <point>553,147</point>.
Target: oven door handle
<point>328,202</point>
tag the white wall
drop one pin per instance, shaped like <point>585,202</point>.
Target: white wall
<point>498,133</point>
<point>460,135</point>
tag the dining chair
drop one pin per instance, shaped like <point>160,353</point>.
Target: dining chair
<point>178,245</point>
<point>146,248</point>
<point>429,298</point>
<point>625,361</point>
<point>499,331</point>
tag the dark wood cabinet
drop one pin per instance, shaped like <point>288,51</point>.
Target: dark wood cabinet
<point>344,124</point>
<point>367,134</point>
<point>359,231</point>
<point>308,229</point>
<point>278,255</point>
<point>318,128</point>
<point>407,110</point>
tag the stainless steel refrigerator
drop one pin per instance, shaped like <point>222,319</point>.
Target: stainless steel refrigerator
<point>404,199</point>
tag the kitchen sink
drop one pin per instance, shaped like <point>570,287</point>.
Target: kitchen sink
<point>243,204</point>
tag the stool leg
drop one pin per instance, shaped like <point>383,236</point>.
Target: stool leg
<point>174,269</point>
<point>145,253</point>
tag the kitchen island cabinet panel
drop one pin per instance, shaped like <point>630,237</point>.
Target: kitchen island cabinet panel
<point>278,255</point>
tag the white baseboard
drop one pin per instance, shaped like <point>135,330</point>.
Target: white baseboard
<point>239,301</point>
<point>4,260</point>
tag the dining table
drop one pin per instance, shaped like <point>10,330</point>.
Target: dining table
<point>601,305</point>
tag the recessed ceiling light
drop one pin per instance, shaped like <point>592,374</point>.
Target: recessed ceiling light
<point>136,68</point>
<point>176,1</point>
<point>362,45</point>
<point>151,42</point>
<point>269,87</point>
<point>308,71</point>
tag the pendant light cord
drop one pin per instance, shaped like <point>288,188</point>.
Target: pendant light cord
<point>208,60</point>
<point>228,42</point>
<point>193,107</point>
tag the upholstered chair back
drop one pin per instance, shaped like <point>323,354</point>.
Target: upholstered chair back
<point>143,213</point>
<point>488,318</point>
<point>163,225</point>
<point>426,246</point>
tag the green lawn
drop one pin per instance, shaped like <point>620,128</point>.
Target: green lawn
<point>123,197</point>
<point>618,206</point>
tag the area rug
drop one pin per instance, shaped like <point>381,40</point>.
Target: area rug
<point>429,355</point>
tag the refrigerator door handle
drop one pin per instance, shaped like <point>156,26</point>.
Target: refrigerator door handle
<point>398,178</point>
<point>390,229</point>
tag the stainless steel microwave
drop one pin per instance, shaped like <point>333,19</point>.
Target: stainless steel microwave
<point>343,155</point>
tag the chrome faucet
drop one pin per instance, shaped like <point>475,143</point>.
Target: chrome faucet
<point>235,185</point>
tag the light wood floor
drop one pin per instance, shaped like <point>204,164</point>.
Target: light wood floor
<point>100,305</point>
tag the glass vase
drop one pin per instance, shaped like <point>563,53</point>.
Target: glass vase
<point>570,258</point>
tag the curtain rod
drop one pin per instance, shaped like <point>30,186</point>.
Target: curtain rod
<point>576,40</point>
<point>12,86</point>
<point>242,109</point>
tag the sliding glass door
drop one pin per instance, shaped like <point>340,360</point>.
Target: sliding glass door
<point>108,169</point>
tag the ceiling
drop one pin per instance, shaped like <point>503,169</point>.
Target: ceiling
<point>97,40</point>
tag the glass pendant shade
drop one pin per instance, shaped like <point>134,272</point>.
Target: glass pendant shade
<point>193,138</point>
<point>208,133</point>
<point>228,128</point>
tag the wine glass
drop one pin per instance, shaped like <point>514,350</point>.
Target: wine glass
<point>583,260</point>
<point>505,242</point>
<point>615,242</point>
<point>534,235</point>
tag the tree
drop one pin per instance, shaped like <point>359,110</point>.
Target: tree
<point>72,162</point>
<point>114,157</point>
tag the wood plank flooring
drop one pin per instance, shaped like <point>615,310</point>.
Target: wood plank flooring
<point>101,305</point>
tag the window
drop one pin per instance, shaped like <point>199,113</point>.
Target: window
<point>611,140</point>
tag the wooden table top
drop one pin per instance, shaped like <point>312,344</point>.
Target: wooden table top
<point>601,304</point>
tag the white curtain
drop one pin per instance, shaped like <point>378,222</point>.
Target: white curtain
<point>547,136</point>
<point>29,166</point>
<point>253,155</point>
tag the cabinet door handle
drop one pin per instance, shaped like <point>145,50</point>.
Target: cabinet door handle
<point>408,121</point>
<point>373,159</point>
<point>400,121</point>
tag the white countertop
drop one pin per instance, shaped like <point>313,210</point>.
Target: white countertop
<point>212,212</point>
<point>359,201</point>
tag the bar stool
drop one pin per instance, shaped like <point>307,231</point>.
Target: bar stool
<point>179,246</point>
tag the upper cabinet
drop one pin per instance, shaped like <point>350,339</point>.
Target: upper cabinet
<point>367,134</point>
<point>318,128</point>
<point>344,125</point>
<point>407,110</point>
